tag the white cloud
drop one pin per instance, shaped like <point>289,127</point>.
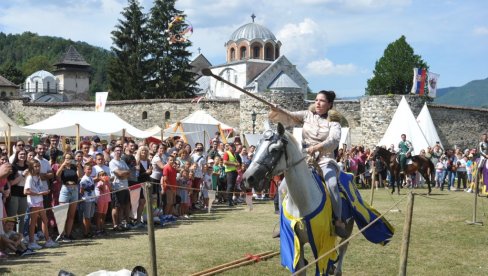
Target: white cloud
<point>480,31</point>
<point>327,67</point>
<point>300,40</point>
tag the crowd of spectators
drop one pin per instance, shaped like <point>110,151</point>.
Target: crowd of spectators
<point>454,168</point>
<point>95,182</point>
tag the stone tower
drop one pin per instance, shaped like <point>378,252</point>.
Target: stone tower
<point>73,74</point>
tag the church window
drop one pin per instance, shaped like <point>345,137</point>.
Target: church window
<point>144,115</point>
<point>37,86</point>
<point>232,54</point>
<point>11,93</point>
<point>4,94</point>
<point>243,52</point>
<point>268,53</point>
<point>48,87</point>
<point>28,87</point>
<point>167,115</point>
<point>256,52</point>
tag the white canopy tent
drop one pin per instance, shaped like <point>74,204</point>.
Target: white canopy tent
<point>427,126</point>
<point>9,129</point>
<point>86,123</point>
<point>404,122</point>
<point>199,127</point>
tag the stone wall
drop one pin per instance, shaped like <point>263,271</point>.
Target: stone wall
<point>292,101</point>
<point>131,111</point>
<point>367,118</point>
<point>459,126</point>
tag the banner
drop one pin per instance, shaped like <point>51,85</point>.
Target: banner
<point>100,101</point>
<point>432,83</point>
<point>419,76</point>
<point>60,214</point>
<point>135,195</point>
<point>353,205</point>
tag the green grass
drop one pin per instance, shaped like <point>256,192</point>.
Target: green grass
<point>441,243</point>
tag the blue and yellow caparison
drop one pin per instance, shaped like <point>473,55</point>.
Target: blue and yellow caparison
<point>320,228</point>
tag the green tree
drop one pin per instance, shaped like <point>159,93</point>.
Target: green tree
<point>36,63</point>
<point>393,72</point>
<point>127,70</point>
<point>169,63</point>
<point>11,73</point>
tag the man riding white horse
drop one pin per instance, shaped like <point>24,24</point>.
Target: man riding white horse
<point>321,137</point>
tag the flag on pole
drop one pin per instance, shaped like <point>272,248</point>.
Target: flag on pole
<point>419,76</point>
<point>432,83</point>
<point>100,101</point>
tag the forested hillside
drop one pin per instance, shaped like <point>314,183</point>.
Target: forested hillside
<point>23,54</point>
<point>472,94</point>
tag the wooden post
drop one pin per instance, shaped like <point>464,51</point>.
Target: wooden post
<point>150,229</point>
<point>77,136</point>
<point>8,140</point>
<point>406,236</point>
<point>372,185</point>
<point>475,201</point>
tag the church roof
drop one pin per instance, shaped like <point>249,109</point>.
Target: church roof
<point>6,83</point>
<point>283,81</point>
<point>72,57</point>
<point>40,74</point>
<point>252,31</point>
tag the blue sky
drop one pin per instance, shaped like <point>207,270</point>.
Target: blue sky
<point>333,43</point>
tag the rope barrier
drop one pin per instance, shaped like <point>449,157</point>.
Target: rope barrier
<point>348,239</point>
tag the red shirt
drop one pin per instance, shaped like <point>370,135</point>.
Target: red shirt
<point>170,174</point>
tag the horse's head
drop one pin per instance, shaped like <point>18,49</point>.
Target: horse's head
<point>268,159</point>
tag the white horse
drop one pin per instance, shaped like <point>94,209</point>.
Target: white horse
<point>280,153</point>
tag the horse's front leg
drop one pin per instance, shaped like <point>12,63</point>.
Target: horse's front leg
<point>303,238</point>
<point>343,248</point>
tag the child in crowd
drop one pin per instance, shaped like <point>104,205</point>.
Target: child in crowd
<point>87,190</point>
<point>15,239</point>
<point>182,192</point>
<point>102,191</point>
<point>207,182</point>
<point>35,191</point>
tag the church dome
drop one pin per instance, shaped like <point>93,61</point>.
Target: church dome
<point>251,31</point>
<point>41,74</point>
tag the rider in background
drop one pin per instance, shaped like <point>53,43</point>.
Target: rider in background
<point>321,135</point>
<point>405,149</point>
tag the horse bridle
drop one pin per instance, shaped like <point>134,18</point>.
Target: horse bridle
<point>271,159</point>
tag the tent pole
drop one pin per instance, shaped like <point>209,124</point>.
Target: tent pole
<point>77,136</point>
<point>204,142</point>
<point>9,133</point>
<point>162,135</point>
